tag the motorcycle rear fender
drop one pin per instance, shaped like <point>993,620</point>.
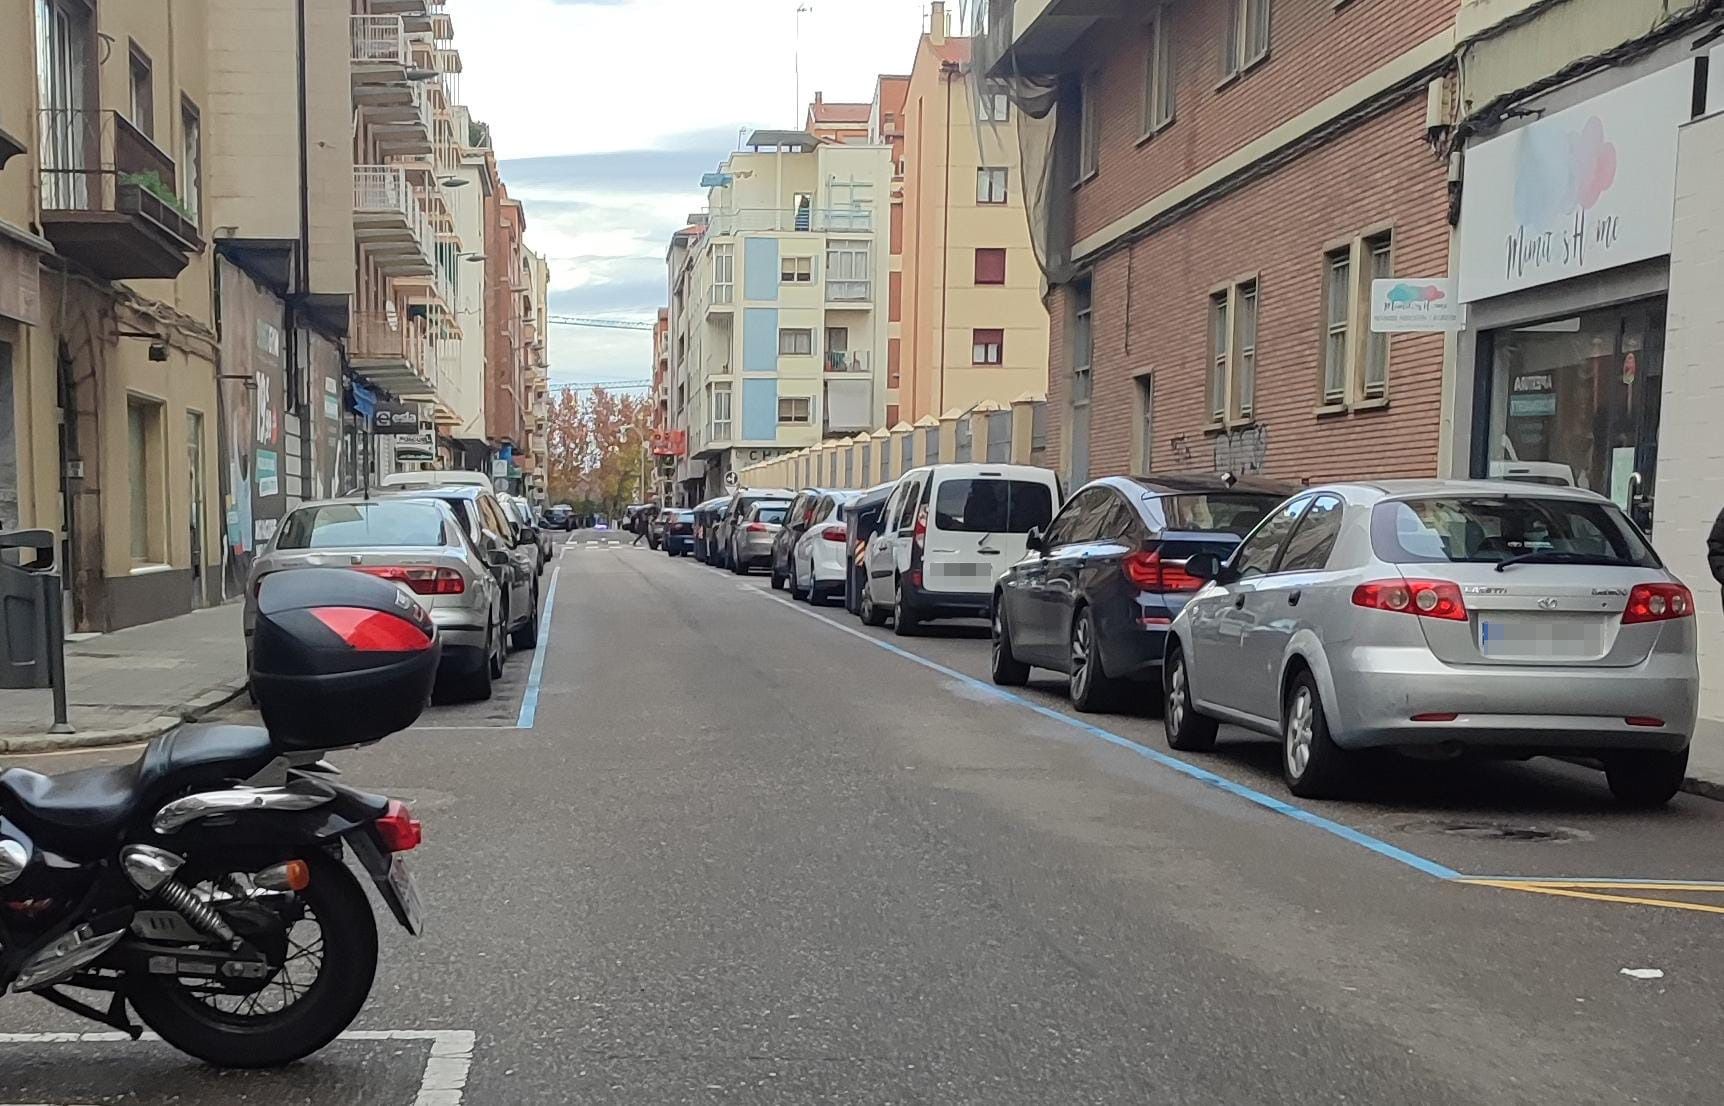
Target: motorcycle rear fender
<point>347,812</point>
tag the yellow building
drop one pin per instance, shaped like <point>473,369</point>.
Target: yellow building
<point>973,324</point>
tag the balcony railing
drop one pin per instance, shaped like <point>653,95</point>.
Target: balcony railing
<point>847,218</point>
<point>389,219</point>
<point>848,291</point>
<point>109,196</point>
<point>379,41</point>
<point>393,351</point>
<point>846,362</point>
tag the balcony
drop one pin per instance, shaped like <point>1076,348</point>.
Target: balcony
<point>1033,36</point>
<point>403,129</point>
<point>393,352</point>
<point>847,218</point>
<point>851,362</point>
<point>390,222</point>
<point>851,293</point>
<point>109,199</point>
<point>379,49</point>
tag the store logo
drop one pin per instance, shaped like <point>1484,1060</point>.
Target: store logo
<point>1561,176</point>
<point>1421,297</point>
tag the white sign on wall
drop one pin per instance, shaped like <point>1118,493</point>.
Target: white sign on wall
<point>1414,306</point>
<point>1586,189</point>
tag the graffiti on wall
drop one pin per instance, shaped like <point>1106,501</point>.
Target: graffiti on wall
<point>1241,452</point>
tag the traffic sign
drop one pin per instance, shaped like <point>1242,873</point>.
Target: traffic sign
<point>730,480</point>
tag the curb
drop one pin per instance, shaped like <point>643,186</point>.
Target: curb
<point>1705,789</point>
<point>191,711</point>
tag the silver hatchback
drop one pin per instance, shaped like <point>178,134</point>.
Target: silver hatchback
<point>1442,618</point>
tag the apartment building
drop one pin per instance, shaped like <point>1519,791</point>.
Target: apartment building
<point>971,299</point>
<point>841,123</point>
<point>537,462</point>
<point>776,318</point>
<point>1224,181</point>
<point>886,128</point>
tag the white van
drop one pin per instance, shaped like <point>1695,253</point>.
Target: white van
<point>437,478</point>
<point>947,533</point>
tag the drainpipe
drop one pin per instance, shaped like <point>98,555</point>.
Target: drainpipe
<point>948,72</point>
<point>301,284</point>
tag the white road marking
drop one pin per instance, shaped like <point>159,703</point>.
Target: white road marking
<point>443,1083</point>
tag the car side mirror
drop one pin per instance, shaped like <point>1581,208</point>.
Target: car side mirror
<point>525,536</point>
<point>1036,541</point>
<point>1206,566</point>
<point>497,558</point>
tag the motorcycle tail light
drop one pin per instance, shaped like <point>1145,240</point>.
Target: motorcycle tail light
<point>399,831</point>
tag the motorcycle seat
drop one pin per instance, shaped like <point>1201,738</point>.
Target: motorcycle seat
<point>79,813</point>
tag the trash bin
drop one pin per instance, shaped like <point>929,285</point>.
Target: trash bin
<point>29,610</point>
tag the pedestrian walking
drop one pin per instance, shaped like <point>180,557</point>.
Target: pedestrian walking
<point>1715,548</point>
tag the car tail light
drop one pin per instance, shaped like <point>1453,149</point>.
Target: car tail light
<point>1425,598</point>
<point>372,631</point>
<point>420,581</point>
<point>756,528</point>
<point>835,533</point>
<point>1645,721</point>
<point>1658,603</point>
<point>399,831</point>
<point>921,532</point>
<point>1148,571</point>
<point>257,584</point>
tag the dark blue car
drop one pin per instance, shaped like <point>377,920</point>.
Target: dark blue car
<point>1098,590</point>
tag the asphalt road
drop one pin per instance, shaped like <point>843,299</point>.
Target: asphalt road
<point>750,852</point>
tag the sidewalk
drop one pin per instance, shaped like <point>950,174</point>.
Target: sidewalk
<point>133,684</point>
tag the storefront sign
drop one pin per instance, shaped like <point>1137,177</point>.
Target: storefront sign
<point>1584,190</point>
<point>268,482</point>
<point>1414,306</point>
<point>394,417</point>
<point>420,446</point>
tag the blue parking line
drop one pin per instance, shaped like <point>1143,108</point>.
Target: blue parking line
<point>530,701</point>
<point>1203,775</point>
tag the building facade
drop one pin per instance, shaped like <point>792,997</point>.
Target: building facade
<point>886,128</point>
<point>974,324</point>
<point>776,323</point>
<point>1215,186</point>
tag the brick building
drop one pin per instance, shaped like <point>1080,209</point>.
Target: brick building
<point>1224,181</point>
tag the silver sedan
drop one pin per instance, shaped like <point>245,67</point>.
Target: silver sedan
<point>1442,618</point>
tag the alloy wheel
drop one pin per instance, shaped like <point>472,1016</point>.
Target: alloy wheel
<point>999,629</point>
<point>1080,666</point>
<point>1176,695</point>
<point>1299,732</point>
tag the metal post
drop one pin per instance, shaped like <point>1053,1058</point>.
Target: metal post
<point>56,652</point>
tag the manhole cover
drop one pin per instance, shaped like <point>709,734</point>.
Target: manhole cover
<point>1495,831</point>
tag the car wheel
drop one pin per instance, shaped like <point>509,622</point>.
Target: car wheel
<point>1091,688</point>
<point>868,611</point>
<point>475,686</point>
<point>499,648</point>
<point>1007,669</point>
<point>1187,730</point>
<point>526,636</point>
<point>1314,766</point>
<point>904,620</point>
<point>795,585</point>
<point>777,579</point>
<point>1646,780</point>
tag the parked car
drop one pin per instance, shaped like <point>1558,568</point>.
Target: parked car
<point>437,478</point>
<point>863,517</point>
<point>1098,589</point>
<point>521,514</point>
<point>706,519</point>
<point>560,517</point>
<point>820,559</point>
<point>418,544</point>
<point>678,531</point>
<point>655,527</point>
<point>741,500</point>
<point>1447,618</point>
<point>752,537</point>
<point>795,522</point>
<point>489,529</point>
<point>951,530</point>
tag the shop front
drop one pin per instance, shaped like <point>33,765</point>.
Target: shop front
<point>1564,244</point>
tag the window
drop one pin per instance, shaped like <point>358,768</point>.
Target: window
<point>1158,74</point>
<point>912,490</point>
<point>144,450</point>
<point>192,159</point>
<point>350,525</point>
<point>990,505</point>
<point>1491,529</point>
<point>1247,40</point>
<point>796,342</point>
<point>1144,458</point>
<point>987,347</point>
<point>993,105</point>
<point>1089,130</point>
<point>991,185</point>
<point>796,270</point>
<point>1338,316</point>
<point>1355,360</point>
<point>847,269</point>
<point>1256,554</point>
<point>1082,378</point>
<point>723,273</point>
<point>721,412</point>
<point>891,416</point>
<point>143,93</point>
<point>990,266</point>
<point>1233,352</point>
<point>838,348</point>
<point>1309,548</point>
<point>795,410</point>
<point>1379,253</point>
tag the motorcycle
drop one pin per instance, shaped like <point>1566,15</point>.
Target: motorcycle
<point>205,886</point>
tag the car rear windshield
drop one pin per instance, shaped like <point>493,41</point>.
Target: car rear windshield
<point>1491,529</point>
<point>771,514</point>
<point>1236,513</point>
<point>357,525</point>
<point>992,505</point>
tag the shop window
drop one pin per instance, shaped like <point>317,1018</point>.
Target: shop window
<point>144,465</point>
<point>1576,401</point>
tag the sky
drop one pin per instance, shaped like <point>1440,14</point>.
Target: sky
<point>604,114</point>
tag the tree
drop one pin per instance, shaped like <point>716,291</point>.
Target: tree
<point>597,447</point>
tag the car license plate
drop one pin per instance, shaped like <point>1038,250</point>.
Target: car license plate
<point>963,569</point>
<point>1547,637</point>
<point>406,894</point>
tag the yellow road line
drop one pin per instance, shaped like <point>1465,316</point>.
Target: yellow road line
<point>1568,893</point>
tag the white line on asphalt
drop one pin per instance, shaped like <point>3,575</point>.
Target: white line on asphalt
<point>1203,775</point>
<point>442,1084</point>
<point>530,700</point>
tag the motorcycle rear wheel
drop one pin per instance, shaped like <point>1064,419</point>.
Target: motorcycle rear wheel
<point>234,1039</point>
